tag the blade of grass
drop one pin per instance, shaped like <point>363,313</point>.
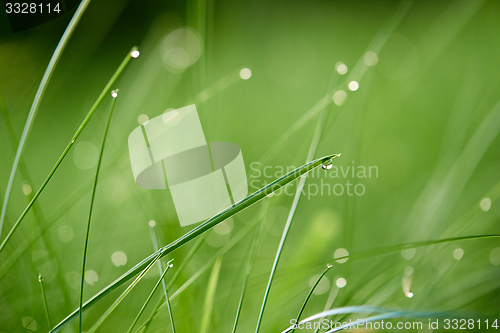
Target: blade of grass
<point>207,225</point>
<point>229,245</point>
<point>210,295</point>
<point>329,302</point>
<point>155,247</point>
<point>37,213</point>
<point>383,316</point>
<point>399,247</point>
<point>386,313</point>
<point>251,258</point>
<point>46,306</point>
<point>92,199</point>
<point>160,280</point>
<point>111,81</point>
<point>312,150</point>
<point>120,298</point>
<point>36,103</point>
<point>311,291</point>
<point>190,254</point>
<point>360,69</point>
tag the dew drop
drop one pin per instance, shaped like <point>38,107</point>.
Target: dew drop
<point>114,93</point>
<point>135,54</point>
<point>327,165</point>
<point>245,73</point>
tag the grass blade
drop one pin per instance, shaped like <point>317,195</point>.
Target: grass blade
<point>160,280</point>
<point>399,247</point>
<point>120,298</point>
<point>36,103</point>
<point>207,225</point>
<point>251,258</point>
<point>386,314</point>
<point>311,291</point>
<point>46,306</point>
<point>96,179</point>
<point>155,246</point>
<point>298,192</point>
<point>70,144</point>
<point>229,245</point>
<point>209,298</point>
<point>190,255</point>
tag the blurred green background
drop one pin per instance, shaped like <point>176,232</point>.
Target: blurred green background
<point>426,115</point>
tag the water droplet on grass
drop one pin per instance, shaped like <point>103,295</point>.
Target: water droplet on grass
<point>135,54</point>
<point>327,165</point>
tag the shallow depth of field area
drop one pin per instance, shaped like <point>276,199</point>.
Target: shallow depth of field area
<point>406,91</point>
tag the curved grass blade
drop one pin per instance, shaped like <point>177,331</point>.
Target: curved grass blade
<point>96,179</point>
<point>120,298</point>
<point>190,255</point>
<point>386,314</point>
<point>312,150</point>
<point>395,248</point>
<point>251,258</point>
<point>207,225</point>
<point>46,306</point>
<point>156,248</point>
<point>36,103</point>
<point>229,245</point>
<point>311,291</point>
<point>70,144</point>
<point>160,280</point>
<point>210,295</point>
<point>329,302</point>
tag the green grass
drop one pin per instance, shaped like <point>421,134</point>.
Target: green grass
<point>427,115</point>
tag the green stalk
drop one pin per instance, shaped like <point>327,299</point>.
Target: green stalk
<point>399,247</point>
<point>312,150</point>
<point>210,295</point>
<point>385,314</point>
<point>311,291</point>
<point>207,225</point>
<point>155,246</point>
<point>70,144</point>
<point>36,103</point>
<point>120,298</point>
<point>352,258</point>
<point>40,279</point>
<point>251,258</point>
<point>96,179</point>
<point>160,280</point>
<point>184,263</point>
<point>229,245</point>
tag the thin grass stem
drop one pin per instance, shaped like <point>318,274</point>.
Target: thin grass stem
<point>92,199</point>
<point>251,258</point>
<point>235,240</point>
<point>184,263</point>
<point>311,291</point>
<point>111,81</point>
<point>210,295</point>
<point>207,225</point>
<point>120,298</point>
<point>160,280</point>
<point>156,248</point>
<point>45,304</point>
<point>36,103</point>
